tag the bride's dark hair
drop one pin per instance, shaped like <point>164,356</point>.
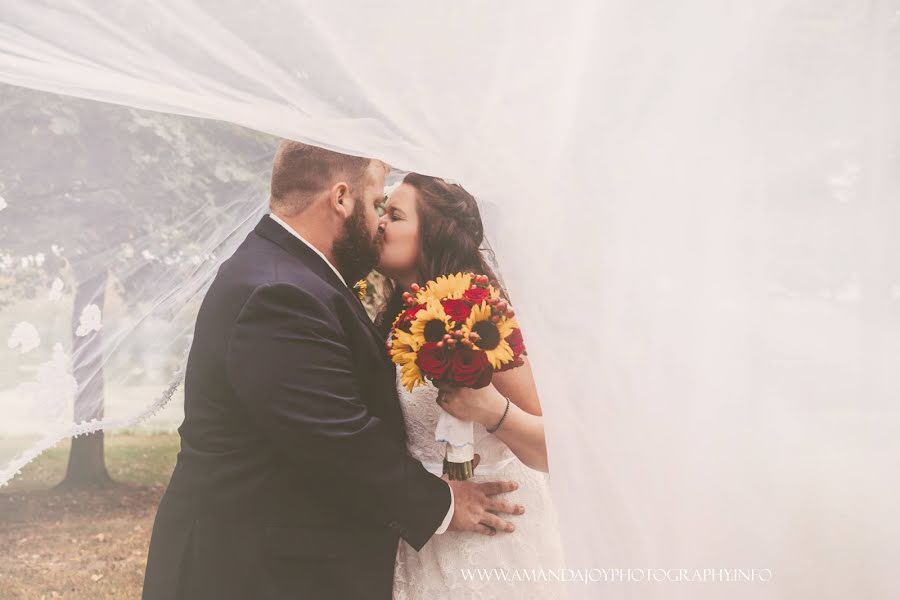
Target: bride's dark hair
<point>451,236</point>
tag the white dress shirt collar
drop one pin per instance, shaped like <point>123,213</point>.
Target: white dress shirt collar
<point>290,229</point>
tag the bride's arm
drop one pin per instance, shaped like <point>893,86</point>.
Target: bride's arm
<point>522,430</point>
<point>518,385</point>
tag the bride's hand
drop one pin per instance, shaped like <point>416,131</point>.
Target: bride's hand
<point>484,406</point>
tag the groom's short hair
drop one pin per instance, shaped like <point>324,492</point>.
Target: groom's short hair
<point>301,172</point>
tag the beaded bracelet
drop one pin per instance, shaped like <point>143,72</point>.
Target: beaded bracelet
<point>500,422</point>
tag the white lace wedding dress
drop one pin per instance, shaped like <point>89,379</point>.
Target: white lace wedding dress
<point>471,565</point>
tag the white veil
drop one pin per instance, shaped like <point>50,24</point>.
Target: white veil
<point>695,207</point>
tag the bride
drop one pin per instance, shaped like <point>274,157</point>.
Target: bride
<point>432,228</point>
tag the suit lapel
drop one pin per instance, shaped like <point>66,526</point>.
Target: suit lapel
<point>274,232</point>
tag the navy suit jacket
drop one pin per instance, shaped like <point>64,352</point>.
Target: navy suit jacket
<point>293,479</point>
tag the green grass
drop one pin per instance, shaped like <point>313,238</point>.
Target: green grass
<point>138,458</point>
<point>11,446</point>
<point>83,543</point>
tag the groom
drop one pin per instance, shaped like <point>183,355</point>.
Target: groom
<point>293,479</point>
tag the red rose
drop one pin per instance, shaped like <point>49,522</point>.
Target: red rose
<point>433,361</point>
<point>458,310</point>
<point>410,313</point>
<point>518,347</point>
<point>405,318</point>
<point>470,368</point>
<point>515,341</point>
<point>476,295</point>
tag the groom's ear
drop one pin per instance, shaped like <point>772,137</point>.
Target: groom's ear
<point>339,199</point>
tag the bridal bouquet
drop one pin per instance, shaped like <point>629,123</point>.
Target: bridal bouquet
<point>456,331</point>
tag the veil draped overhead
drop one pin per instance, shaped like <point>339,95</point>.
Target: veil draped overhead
<point>694,206</point>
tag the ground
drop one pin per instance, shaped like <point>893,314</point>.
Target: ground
<point>83,544</point>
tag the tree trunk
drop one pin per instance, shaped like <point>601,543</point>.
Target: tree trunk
<point>87,465</point>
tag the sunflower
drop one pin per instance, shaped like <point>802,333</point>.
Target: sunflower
<point>446,287</point>
<point>404,349</point>
<point>491,336</point>
<point>404,343</point>
<point>411,375</point>
<point>430,324</point>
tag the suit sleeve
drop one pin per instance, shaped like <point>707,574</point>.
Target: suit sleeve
<point>289,363</point>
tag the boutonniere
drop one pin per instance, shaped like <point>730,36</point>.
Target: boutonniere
<point>361,288</point>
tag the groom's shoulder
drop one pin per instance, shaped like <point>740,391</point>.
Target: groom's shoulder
<point>259,263</point>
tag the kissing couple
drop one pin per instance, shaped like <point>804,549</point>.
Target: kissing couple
<point>306,469</point>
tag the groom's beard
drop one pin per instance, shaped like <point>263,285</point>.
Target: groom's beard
<point>356,252</point>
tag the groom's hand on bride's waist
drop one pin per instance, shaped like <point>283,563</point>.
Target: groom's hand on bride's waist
<point>477,506</point>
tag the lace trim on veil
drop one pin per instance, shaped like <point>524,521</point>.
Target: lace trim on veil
<point>85,427</point>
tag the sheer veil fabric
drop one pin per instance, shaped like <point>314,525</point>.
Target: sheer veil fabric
<point>694,208</point>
